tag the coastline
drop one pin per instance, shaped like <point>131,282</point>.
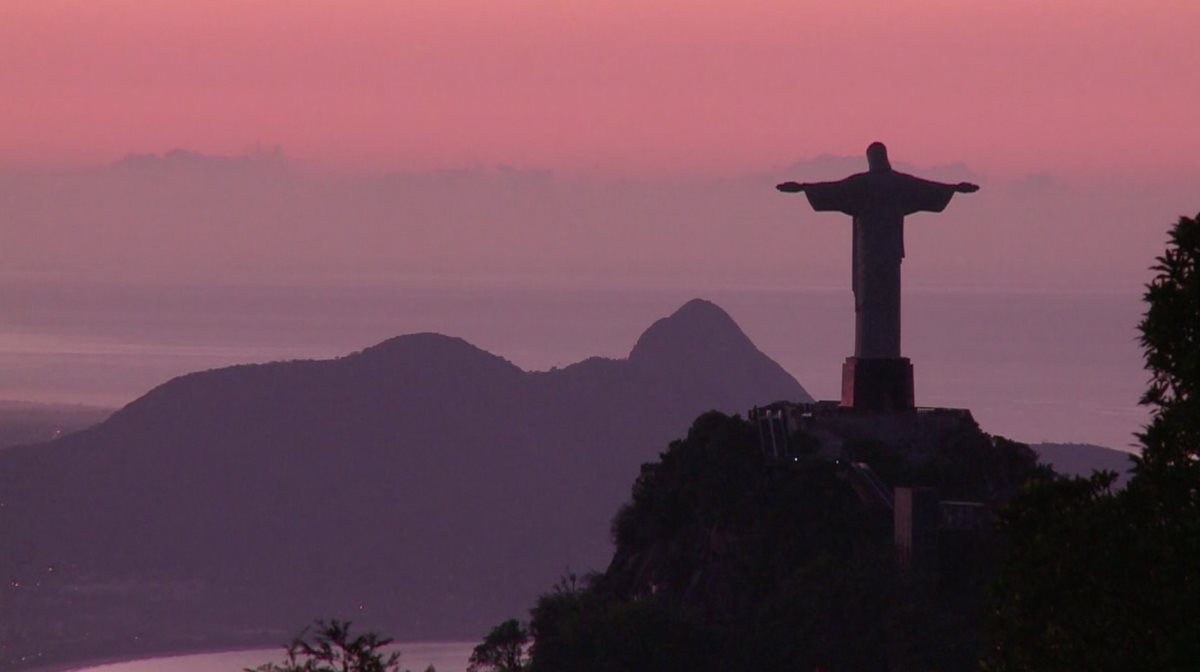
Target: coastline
<point>447,656</point>
<point>98,661</point>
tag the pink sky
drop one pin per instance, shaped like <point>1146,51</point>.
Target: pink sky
<point>1051,105</point>
<point>1075,87</point>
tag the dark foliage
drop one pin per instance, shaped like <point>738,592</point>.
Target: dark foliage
<point>979,467</point>
<point>1103,580</point>
<point>1170,337</point>
<point>585,630</point>
<point>331,648</point>
<point>503,650</point>
<point>726,562</point>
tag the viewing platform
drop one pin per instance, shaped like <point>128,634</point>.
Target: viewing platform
<point>915,431</point>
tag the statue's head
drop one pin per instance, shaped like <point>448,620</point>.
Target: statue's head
<point>877,160</point>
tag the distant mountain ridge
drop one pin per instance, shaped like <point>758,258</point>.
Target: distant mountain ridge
<point>421,485</point>
<point>1081,459</point>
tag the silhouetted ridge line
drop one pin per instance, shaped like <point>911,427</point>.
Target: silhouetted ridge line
<point>435,482</point>
<point>432,349</point>
<point>699,328</point>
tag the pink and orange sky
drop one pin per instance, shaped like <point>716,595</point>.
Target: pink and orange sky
<point>584,144</point>
<point>1074,87</point>
<point>645,136</point>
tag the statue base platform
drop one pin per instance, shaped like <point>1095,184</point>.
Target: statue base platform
<point>919,433</point>
<point>878,384</point>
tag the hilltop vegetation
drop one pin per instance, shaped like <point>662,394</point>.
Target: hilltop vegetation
<point>1100,579</point>
<point>724,561</point>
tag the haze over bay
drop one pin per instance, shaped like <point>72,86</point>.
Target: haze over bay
<point>1042,366</point>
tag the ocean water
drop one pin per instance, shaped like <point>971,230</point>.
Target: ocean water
<point>1033,366</point>
<point>415,656</point>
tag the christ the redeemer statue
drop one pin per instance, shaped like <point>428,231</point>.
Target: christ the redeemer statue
<point>877,377</point>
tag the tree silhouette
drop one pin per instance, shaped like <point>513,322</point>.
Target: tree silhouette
<point>1171,340</point>
<point>1099,580</point>
<point>725,560</point>
<point>332,649</point>
<point>503,650</point>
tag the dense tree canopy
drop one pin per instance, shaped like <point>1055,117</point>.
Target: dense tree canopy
<point>1104,580</point>
<point>502,650</point>
<point>727,561</point>
<point>1170,336</point>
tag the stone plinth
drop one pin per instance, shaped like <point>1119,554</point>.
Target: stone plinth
<point>878,384</point>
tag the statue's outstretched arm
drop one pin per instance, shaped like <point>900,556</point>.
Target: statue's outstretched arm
<point>961,187</point>
<point>842,196</point>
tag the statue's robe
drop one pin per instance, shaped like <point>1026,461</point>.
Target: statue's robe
<point>878,201</point>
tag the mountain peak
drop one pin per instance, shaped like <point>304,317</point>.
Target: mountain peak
<point>699,328</point>
<point>701,346</point>
<point>421,433</point>
<point>702,310</point>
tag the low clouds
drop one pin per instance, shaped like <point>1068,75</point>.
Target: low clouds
<point>184,217</point>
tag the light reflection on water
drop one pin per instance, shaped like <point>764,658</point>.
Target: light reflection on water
<point>415,656</point>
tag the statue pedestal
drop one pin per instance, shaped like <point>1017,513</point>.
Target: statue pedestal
<point>878,384</point>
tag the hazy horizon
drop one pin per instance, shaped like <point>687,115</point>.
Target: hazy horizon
<point>622,146</point>
<point>1036,366</point>
<point>265,219</point>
